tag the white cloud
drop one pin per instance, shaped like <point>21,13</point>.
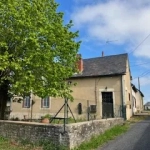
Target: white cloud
<point>127,21</point>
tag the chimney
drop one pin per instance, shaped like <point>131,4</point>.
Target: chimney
<point>80,63</point>
<point>102,53</point>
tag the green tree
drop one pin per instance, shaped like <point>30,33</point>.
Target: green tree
<point>37,51</point>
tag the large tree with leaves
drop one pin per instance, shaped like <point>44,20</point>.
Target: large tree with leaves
<point>37,51</point>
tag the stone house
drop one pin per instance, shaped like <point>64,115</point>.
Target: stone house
<point>103,87</point>
<point>137,97</point>
<point>147,106</point>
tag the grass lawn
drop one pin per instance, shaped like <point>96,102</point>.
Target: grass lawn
<point>94,143</point>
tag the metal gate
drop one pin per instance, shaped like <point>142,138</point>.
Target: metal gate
<point>107,105</point>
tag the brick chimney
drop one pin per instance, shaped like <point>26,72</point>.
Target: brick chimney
<point>80,63</point>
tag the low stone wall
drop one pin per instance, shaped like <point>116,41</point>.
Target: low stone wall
<point>75,134</point>
<point>81,132</point>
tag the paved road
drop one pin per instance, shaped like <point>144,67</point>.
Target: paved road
<point>137,138</point>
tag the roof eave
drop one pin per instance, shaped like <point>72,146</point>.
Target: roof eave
<point>92,76</point>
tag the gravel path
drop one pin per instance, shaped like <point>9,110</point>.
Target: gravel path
<point>137,138</point>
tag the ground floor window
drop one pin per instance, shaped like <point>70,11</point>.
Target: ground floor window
<point>26,102</point>
<point>45,102</point>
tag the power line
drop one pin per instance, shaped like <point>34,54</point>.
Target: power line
<point>140,43</point>
<point>143,74</point>
<point>140,64</point>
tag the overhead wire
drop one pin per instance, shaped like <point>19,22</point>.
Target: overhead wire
<point>140,43</point>
<point>139,64</point>
<point>147,72</point>
<point>143,74</point>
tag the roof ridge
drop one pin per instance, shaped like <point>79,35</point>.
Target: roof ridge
<point>106,56</point>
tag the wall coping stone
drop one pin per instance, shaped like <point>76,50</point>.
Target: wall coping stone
<point>30,123</point>
<point>60,125</point>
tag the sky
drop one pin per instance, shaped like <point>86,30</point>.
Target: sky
<point>114,27</point>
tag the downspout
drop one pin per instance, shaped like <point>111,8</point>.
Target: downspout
<point>95,93</point>
<point>123,98</point>
<point>96,83</point>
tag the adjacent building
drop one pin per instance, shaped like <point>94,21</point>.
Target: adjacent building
<point>147,106</point>
<point>137,98</point>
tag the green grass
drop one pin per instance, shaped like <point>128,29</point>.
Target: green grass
<point>135,119</point>
<point>6,144</point>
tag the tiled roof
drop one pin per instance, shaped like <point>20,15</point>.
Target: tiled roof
<point>147,104</point>
<point>104,66</point>
<point>136,90</point>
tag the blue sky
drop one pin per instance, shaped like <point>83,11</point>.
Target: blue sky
<point>114,27</point>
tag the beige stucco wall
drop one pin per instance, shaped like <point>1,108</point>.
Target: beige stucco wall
<point>134,102</point>
<point>139,101</point>
<point>127,92</point>
<point>86,89</point>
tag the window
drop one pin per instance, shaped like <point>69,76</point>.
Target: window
<point>129,96</point>
<point>45,102</point>
<point>26,102</point>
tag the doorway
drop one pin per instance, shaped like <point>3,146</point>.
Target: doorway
<point>107,105</point>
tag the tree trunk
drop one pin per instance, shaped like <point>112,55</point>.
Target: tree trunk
<point>3,99</point>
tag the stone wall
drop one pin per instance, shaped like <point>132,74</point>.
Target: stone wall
<point>81,132</point>
<point>75,134</point>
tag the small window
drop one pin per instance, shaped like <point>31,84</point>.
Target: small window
<point>26,102</point>
<point>129,96</point>
<point>45,102</point>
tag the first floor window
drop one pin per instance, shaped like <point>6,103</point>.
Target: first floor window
<point>45,102</point>
<point>129,96</point>
<point>26,102</point>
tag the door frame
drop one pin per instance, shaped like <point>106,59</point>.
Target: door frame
<point>100,99</point>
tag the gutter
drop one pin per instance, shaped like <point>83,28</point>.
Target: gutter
<point>92,76</point>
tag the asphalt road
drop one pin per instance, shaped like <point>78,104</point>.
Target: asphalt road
<point>137,138</point>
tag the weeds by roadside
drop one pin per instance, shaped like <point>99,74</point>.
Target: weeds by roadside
<point>137,118</point>
<point>110,134</point>
<point>6,144</point>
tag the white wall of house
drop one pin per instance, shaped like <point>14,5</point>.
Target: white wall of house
<point>134,101</point>
<point>139,101</point>
<point>146,107</point>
